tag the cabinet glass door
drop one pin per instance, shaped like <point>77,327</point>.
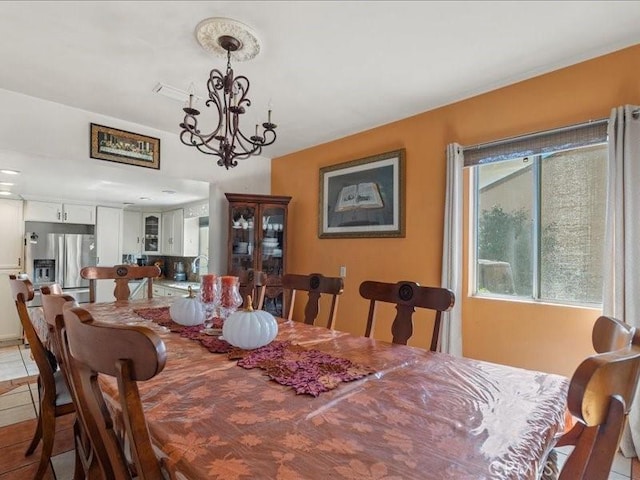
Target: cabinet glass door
<point>152,233</point>
<point>243,238</point>
<point>272,248</point>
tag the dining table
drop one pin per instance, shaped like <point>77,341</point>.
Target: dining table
<point>413,414</point>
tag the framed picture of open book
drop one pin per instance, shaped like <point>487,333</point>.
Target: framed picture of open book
<point>363,198</point>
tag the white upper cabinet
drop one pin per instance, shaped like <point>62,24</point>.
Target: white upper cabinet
<point>172,231</point>
<point>85,214</point>
<point>191,237</point>
<point>59,213</point>
<point>151,233</point>
<point>12,238</point>
<point>132,233</point>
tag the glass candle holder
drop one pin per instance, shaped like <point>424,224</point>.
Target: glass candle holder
<point>230,298</point>
<point>210,297</point>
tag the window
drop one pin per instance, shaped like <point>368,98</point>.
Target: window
<point>539,219</point>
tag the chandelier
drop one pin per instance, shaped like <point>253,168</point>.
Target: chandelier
<point>228,94</point>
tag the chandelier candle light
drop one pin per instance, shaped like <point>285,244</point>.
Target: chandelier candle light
<point>228,93</point>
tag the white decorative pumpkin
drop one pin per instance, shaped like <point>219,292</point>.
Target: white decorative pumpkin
<point>187,311</point>
<point>249,328</point>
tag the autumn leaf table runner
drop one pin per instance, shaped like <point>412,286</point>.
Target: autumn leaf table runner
<point>307,371</point>
<point>420,415</point>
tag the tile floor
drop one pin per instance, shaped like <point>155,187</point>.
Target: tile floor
<point>18,411</point>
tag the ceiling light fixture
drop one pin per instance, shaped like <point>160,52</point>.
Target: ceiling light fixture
<point>10,172</point>
<point>4,192</point>
<point>6,184</point>
<point>228,94</point>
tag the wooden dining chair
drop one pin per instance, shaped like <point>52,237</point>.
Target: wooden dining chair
<point>315,285</point>
<point>53,289</point>
<point>54,398</point>
<point>130,354</point>
<point>254,283</point>
<point>600,395</point>
<point>121,274</point>
<point>53,306</point>
<point>407,296</point>
<point>610,334</point>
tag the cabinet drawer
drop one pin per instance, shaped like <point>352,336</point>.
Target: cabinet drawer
<point>158,291</point>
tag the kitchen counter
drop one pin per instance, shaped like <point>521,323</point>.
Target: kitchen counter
<point>171,288</point>
<point>179,285</point>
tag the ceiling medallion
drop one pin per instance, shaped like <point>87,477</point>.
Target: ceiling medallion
<point>223,36</point>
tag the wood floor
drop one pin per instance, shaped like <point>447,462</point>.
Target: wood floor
<point>14,440</point>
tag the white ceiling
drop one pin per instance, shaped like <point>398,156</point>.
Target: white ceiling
<point>329,69</point>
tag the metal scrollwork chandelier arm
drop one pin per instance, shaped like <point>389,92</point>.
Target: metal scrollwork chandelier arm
<point>229,96</point>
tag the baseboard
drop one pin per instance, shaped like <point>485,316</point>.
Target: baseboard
<point>10,343</point>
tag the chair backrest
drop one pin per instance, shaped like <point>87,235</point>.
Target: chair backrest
<point>130,354</point>
<point>600,395</point>
<point>52,306</point>
<point>254,283</point>
<point>316,285</point>
<point>22,292</point>
<point>53,289</point>
<point>610,334</point>
<point>407,296</point>
<point>121,274</point>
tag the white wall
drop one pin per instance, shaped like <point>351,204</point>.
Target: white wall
<point>46,132</point>
<point>58,132</point>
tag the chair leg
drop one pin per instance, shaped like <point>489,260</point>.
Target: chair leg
<point>78,471</point>
<point>48,433</point>
<point>37,436</point>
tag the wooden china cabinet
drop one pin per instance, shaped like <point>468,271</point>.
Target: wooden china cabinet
<point>258,240</point>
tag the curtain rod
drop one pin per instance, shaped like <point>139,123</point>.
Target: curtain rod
<point>537,134</point>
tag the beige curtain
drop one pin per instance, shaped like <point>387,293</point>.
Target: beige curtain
<point>621,291</point>
<point>451,330</point>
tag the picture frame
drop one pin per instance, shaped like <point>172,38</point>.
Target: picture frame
<point>363,198</point>
<point>125,147</point>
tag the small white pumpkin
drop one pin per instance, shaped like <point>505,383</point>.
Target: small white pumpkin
<point>249,328</point>
<point>187,311</point>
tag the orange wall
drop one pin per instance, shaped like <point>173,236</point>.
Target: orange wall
<point>536,336</point>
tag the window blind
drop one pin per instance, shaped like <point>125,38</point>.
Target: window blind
<point>538,143</point>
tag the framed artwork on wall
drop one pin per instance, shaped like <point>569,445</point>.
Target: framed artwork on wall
<point>363,198</point>
<point>124,147</point>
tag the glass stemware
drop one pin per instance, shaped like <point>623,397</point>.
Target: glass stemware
<point>210,297</point>
<point>230,298</point>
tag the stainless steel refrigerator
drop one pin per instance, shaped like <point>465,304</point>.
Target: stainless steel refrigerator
<point>58,258</point>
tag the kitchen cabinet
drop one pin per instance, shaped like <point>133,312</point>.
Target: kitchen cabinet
<point>11,261</point>
<point>59,213</point>
<point>12,238</point>
<point>172,232</point>
<point>132,233</point>
<point>151,223</point>
<point>137,292</point>
<point>183,234</point>
<point>10,326</point>
<point>258,240</point>
<point>191,237</point>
